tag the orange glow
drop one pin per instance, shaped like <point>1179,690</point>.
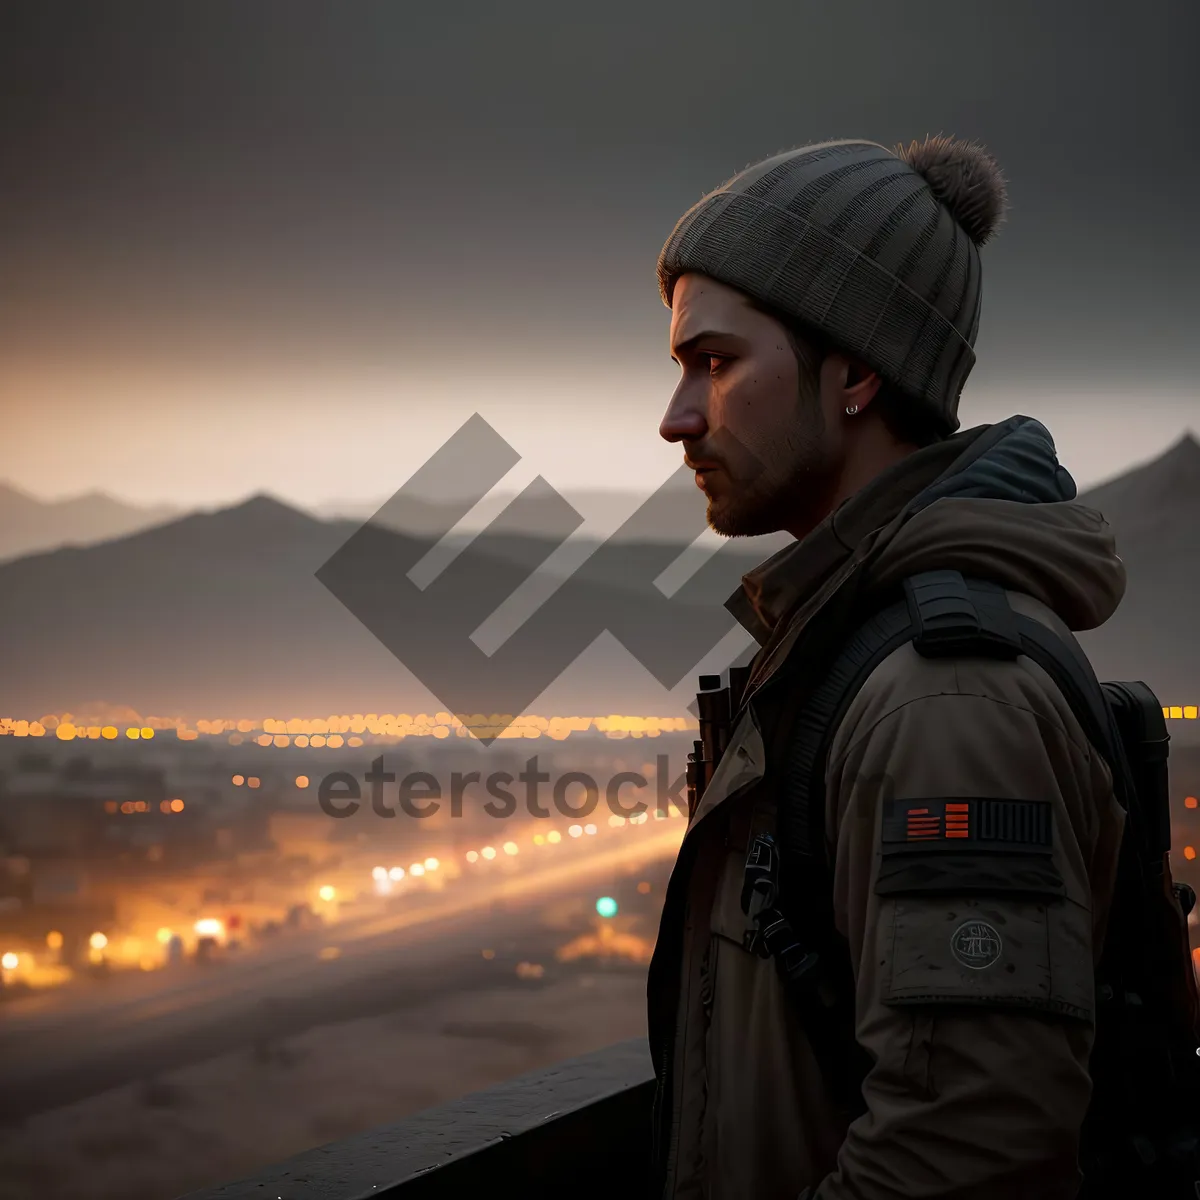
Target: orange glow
<point>238,780</point>
<point>177,805</point>
<point>1189,852</point>
<point>253,781</point>
<point>302,781</point>
<point>1189,802</point>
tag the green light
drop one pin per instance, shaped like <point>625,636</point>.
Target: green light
<point>606,906</point>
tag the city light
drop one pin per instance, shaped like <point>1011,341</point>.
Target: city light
<point>396,874</point>
<point>303,732</point>
<point>538,840</point>
<point>472,856</point>
<point>9,961</point>
<point>554,837</point>
<point>606,906</point>
<point>327,893</point>
<point>589,828</point>
<point>54,940</point>
<point>417,869</point>
<point>431,864</point>
<point>209,927</point>
<point>164,935</point>
<point>510,847</point>
<point>488,852</point>
<point>576,830</point>
<point>302,781</point>
<point>378,873</point>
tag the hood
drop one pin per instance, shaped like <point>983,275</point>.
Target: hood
<point>993,501</point>
<point>1010,516</point>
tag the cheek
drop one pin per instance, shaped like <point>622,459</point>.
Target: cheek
<point>759,401</point>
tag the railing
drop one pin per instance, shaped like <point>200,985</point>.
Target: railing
<point>577,1130</point>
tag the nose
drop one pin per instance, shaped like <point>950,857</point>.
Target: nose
<point>683,421</point>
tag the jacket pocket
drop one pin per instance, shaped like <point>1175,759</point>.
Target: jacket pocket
<point>998,951</point>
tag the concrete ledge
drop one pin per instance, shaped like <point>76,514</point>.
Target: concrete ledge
<point>581,1127</point>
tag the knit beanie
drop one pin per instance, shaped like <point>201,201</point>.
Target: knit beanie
<point>876,249</point>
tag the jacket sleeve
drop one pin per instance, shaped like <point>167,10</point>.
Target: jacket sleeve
<point>969,817</point>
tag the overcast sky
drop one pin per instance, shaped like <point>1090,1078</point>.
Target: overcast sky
<point>292,246</point>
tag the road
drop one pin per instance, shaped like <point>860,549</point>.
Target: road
<point>59,1048</point>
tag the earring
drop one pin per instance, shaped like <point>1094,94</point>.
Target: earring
<point>851,410</point>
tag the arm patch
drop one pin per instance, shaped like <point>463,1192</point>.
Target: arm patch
<point>999,826</point>
<point>968,847</point>
<point>977,908</point>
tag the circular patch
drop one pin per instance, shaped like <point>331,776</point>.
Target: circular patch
<point>976,944</point>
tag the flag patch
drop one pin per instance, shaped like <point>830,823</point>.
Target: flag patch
<point>947,823</point>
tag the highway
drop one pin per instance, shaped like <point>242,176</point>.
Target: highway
<point>65,1044</point>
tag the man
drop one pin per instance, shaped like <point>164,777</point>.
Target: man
<point>824,306</point>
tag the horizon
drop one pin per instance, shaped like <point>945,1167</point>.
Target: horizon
<point>333,506</point>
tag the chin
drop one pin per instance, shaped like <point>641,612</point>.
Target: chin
<point>731,519</point>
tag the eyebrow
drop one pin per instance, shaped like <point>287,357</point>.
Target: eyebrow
<point>683,347</point>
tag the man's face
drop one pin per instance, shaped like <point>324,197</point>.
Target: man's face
<point>752,428</point>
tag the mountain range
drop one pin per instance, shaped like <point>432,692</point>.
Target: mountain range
<point>28,525</point>
<point>220,613</point>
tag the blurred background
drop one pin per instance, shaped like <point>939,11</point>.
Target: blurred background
<point>260,263</point>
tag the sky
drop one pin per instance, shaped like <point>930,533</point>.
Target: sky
<point>293,246</point>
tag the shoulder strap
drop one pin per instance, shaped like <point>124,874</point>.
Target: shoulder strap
<point>944,615</point>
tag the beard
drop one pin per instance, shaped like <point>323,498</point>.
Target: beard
<point>784,482</point>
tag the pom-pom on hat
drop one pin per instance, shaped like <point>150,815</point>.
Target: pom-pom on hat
<point>876,249</point>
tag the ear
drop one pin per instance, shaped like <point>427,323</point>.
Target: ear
<point>861,384</point>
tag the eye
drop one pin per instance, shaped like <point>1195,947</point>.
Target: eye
<point>715,361</point>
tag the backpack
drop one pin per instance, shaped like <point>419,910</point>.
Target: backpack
<point>1141,1135</point>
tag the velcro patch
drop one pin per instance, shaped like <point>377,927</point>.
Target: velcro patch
<point>923,825</point>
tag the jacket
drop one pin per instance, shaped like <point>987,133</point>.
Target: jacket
<point>979,1047</point>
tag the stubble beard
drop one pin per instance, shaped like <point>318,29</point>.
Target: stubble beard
<point>792,482</point>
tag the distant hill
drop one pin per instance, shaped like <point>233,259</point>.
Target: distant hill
<point>28,525</point>
<point>223,608</point>
<point>220,609</point>
<point>603,510</point>
<point>1154,511</point>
